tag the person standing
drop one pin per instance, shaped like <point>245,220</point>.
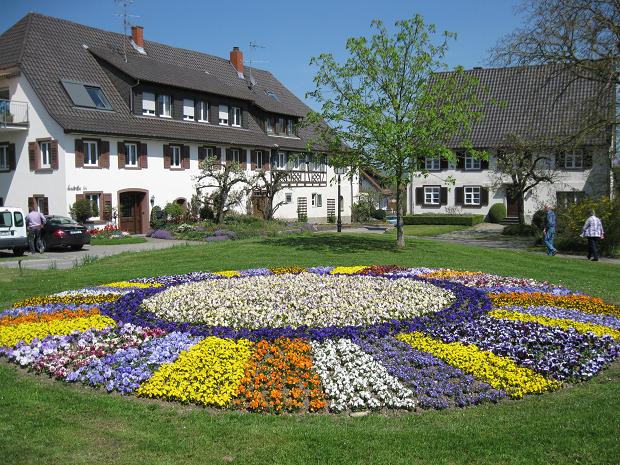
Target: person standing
<point>549,230</point>
<point>593,231</point>
<point>35,221</point>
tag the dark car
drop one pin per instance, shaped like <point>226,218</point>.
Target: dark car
<point>60,231</point>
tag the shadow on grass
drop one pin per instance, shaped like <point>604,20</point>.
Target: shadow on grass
<point>345,243</point>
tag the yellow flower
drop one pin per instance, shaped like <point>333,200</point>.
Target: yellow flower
<point>228,274</point>
<point>66,299</point>
<point>137,285</point>
<point>348,269</point>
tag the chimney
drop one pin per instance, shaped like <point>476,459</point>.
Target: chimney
<point>236,59</point>
<point>137,35</point>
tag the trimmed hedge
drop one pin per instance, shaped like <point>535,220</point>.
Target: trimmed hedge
<point>461,220</point>
<point>497,212</point>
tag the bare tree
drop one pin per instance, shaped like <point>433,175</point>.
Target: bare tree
<point>523,163</point>
<point>222,177</point>
<point>269,184</point>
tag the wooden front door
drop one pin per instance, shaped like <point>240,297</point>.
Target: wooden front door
<point>512,205</point>
<point>259,203</point>
<point>130,211</point>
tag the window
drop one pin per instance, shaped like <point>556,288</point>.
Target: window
<point>288,197</point>
<point>44,148</point>
<point>165,103</point>
<point>236,114</point>
<point>188,109</point>
<point>272,94</point>
<point>203,112</point>
<point>41,201</point>
<point>573,161</point>
<point>148,103</point>
<point>6,219</point>
<point>259,159</point>
<point>431,195</point>
<point>322,163</point>
<point>566,199</point>
<point>236,156</point>
<point>4,157</point>
<point>317,200</point>
<point>208,153</point>
<point>289,127</point>
<point>472,163</point>
<point>131,155</point>
<point>93,199</point>
<point>17,216</point>
<point>224,115</point>
<point>281,160</point>
<point>280,125</point>
<point>269,124</point>
<point>175,156</point>
<point>91,153</point>
<point>432,164</point>
<point>86,95</point>
<point>472,195</point>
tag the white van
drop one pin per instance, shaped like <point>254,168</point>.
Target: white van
<point>13,233</point>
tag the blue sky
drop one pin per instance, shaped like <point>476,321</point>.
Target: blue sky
<point>291,31</point>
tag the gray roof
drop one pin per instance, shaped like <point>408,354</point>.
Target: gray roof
<point>48,50</point>
<point>543,102</point>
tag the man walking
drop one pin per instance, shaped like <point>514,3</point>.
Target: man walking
<point>593,231</point>
<point>35,221</point>
<point>549,230</point>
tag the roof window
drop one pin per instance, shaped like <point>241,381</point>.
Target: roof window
<point>272,94</point>
<point>86,95</point>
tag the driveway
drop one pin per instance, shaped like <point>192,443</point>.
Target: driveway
<point>63,259</point>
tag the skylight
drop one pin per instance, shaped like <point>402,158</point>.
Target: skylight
<point>272,94</point>
<point>86,95</point>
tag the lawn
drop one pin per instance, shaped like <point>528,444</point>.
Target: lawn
<point>426,230</point>
<point>72,424</point>
<point>115,241</point>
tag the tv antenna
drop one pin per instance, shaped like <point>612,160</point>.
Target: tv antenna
<point>126,24</point>
<point>253,47</point>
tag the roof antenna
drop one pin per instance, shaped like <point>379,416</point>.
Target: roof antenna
<point>126,23</point>
<point>253,47</point>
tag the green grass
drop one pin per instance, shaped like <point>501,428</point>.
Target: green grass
<point>426,230</point>
<point>113,241</point>
<point>43,421</point>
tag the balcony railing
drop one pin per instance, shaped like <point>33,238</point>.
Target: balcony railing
<point>306,178</point>
<point>13,113</point>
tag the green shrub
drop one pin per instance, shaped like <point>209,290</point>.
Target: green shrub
<point>379,214</point>
<point>538,220</point>
<point>520,230</point>
<point>158,218</point>
<point>331,218</point>
<point>174,212</point>
<point>81,210</point>
<point>497,213</point>
<point>362,210</point>
<point>462,220</point>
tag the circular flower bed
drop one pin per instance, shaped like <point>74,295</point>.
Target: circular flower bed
<point>323,339</point>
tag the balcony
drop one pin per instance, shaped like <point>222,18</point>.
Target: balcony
<point>13,116</point>
<point>305,179</point>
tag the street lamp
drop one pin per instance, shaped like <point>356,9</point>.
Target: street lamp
<point>339,172</point>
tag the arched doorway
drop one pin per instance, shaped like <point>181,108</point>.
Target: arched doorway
<point>133,210</point>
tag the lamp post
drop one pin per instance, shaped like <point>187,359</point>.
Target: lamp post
<point>339,172</point>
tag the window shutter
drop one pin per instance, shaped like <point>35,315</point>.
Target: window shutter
<point>107,207</point>
<point>166,156</point>
<point>458,196</point>
<point>54,154</point>
<point>460,161</point>
<point>31,203</point>
<point>253,160</point>
<point>46,209</point>
<point>104,154</point>
<point>121,155</point>
<point>230,115</point>
<point>12,159</point>
<point>79,153</point>
<point>419,196</point>
<point>443,196</point>
<point>587,160</point>
<point>32,155</point>
<point>273,162</point>
<point>484,196</point>
<point>228,156</point>
<point>559,160</point>
<point>202,154</point>
<point>266,160</point>
<point>79,197</point>
<point>484,164</point>
<point>185,157</point>
<point>143,155</point>
<point>443,163</point>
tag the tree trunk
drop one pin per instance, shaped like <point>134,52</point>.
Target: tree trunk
<point>400,235</point>
<point>521,208</point>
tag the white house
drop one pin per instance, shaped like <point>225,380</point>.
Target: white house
<point>124,122</point>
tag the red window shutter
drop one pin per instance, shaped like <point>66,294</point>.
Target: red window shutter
<point>253,160</point>
<point>54,155</point>
<point>104,154</point>
<point>32,155</point>
<point>107,207</point>
<point>46,209</point>
<point>166,156</point>
<point>144,156</point>
<point>458,196</point>
<point>419,196</point>
<point>202,154</point>
<point>79,153</point>
<point>185,157</point>
<point>12,159</point>
<point>121,155</point>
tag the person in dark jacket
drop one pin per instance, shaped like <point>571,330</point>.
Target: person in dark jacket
<point>549,230</point>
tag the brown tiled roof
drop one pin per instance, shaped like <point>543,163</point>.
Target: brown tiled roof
<point>543,102</point>
<point>48,50</point>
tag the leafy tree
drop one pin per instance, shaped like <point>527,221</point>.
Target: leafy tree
<point>81,210</point>
<point>223,178</point>
<point>388,106</point>
<point>516,161</point>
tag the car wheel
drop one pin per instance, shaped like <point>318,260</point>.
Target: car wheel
<point>77,247</point>
<point>18,251</point>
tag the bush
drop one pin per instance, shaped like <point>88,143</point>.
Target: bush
<point>379,214</point>
<point>331,219</point>
<point>538,219</point>
<point>361,211</point>
<point>162,234</point>
<point>497,213</point>
<point>520,230</point>
<point>81,210</point>
<point>461,220</point>
<point>174,212</point>
<point>184,227</point>
<point>158,218</point>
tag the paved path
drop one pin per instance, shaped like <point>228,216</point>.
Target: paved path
<point>63,259</point>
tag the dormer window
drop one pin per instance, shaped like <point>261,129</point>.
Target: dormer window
<point>86,95</point>
<point>573,161</point>
<point>472,163</point>
<point>203,112</point>
<point>432,164</point>
<point>188,109</point>
<point>236,114</point>
<point>269,125</point>
<point>165,106</point>
<point>289,127</point>
<point>223,118</point>
<point>280,125</point>
<point>148,103</point>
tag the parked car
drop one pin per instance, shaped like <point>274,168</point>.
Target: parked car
<point>61,231</point>
<point>391,219</point>
<point>13,233</point>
